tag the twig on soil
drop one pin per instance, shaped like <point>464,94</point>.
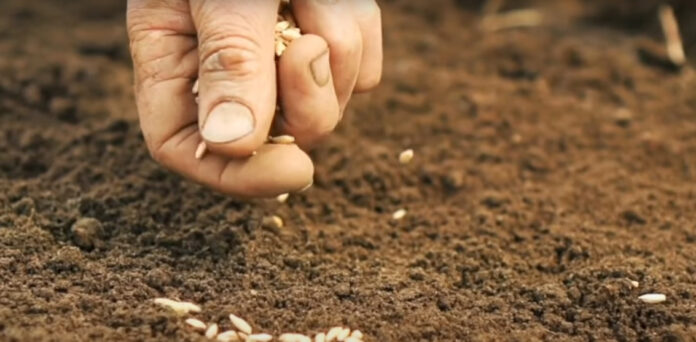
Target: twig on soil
<point>670,28</point>
<point>512,19</point>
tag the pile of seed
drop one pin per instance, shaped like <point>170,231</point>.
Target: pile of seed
<point>243,332</point>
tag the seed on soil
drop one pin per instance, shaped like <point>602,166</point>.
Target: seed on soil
<point>406,156</point>
<point>212,331</point>
<point>282,198</point>
<point>282,139</point>
<point>195,323</point>
<point>320,337</point>
<point>357,334</point>
<point>228,336</point>
<point>653,298</point>
<point>200,150</point>
<point>634,283</point>
<point>259,338</point>
<point>180,308</point>
<point>345,332</point>
<point>399,214</point>
<point>240,324</point>
<point>291,337</point>
<point>333,333</point>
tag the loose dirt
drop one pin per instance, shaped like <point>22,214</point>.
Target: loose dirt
<point>553,166</point>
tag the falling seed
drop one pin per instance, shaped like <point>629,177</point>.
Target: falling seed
<point>211,331</point>
<point>282,198</point>
<point>180,308</point>
<point>345,332</point>
<point>195,323</point>
<point>228,336</point>
<point>241,324</point>
<point>333,333</point>
<point>290,337</point>
<point>291,34</point>
<point>282,139</point>
<point>357,334</point>
<point>259,338</point>
<point>406,156</point>
<point>320,337</point>
<point>399,214</point>
<point>653,298</point>
<point>282,26</point>
<point>670,28</point>
<point>277,221</point>
<point>200,150</point>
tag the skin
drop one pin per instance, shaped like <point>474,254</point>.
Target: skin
<point>229,46</point>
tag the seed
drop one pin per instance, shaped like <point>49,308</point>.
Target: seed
<point>200,150</point>
<point>259,338</point>
<point>357,334</point>
<point>333,333</point>
<point>240,324</point>
<point>195,87</point>
<point>320,337</point>
<point>212,331</point>
<point>277,221</point>
<point>345,332</point>
<point>280,48</point>
<point>634,283</point>
<point>282,26</point>
<point>228,336</point>
<point>653,298</point>
<point>406,156</point>
<point>282,139</point>
<point>282,198</point>
<point>291,34</point>
<point>195,323</point>
<point>352,339</point>
<point>180,308</point>
<point>399,214</point>
<point>290,337</point>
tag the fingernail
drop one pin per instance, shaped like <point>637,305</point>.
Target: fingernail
<point>228,121</point>
<point>321,70</point>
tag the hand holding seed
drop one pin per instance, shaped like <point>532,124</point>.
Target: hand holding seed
<point>230,48</point>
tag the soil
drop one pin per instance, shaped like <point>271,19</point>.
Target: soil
<point>554,165</point>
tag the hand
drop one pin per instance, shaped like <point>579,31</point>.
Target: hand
<point>229,46</point>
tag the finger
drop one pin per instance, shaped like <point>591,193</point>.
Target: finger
<point>163,48</point>
<point>310,107</point>
<point>369,19</point>
<point>237,92</point>
<point>273,170</point>
<point>333,21</point>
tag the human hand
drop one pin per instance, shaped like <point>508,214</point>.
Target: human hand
<point>229,46</point>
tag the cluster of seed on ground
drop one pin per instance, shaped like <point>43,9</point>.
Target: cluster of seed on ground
<point>243,332</point>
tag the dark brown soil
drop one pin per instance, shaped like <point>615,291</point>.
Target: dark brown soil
<point>553,165</point>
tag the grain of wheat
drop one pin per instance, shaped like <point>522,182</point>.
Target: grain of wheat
<point>333,333</point>
<point>228,336</point>
<point>282,139</point>
<point>399,214</point>
<point>200,150</point>
<point>406,156</point>
<point>195,323</point>
<point>240,324</point>
<point>653,298</point>
<point>357,334</point>
<point>212,331</point>
<point>180,308</point>
<point>292,337</point>
<point>259,338</point>
<point>345,332</point>
<point>282,198</point>
<point>320,337</point>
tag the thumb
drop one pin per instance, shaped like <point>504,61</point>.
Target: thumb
<point>237,91</point>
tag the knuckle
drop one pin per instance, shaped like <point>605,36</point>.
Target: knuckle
<point>236,53</point>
